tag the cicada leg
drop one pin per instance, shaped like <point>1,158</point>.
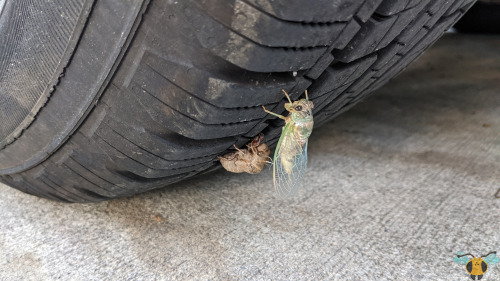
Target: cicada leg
<point>239,150</point>
<point>274,114</point>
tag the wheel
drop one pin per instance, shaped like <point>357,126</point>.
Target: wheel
<point>105,99</point>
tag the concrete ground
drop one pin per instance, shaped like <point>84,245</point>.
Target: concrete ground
<point>395,187</point>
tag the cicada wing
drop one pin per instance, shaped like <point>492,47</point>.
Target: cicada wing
<point>491,259</point>
<point>290,163</point>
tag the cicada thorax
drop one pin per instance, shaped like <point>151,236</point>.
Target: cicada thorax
<point>301,118</point>
<point>302,128</point>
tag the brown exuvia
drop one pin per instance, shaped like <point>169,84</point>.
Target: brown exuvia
<point>249,160</point>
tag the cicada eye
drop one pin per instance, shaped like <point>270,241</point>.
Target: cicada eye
<point>298,107</point>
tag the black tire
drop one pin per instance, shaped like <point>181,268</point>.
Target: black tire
<point>143,94</point>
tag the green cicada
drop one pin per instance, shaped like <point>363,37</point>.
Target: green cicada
<point>290,157</point>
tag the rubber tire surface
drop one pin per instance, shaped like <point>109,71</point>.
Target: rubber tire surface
<point>188,79</point>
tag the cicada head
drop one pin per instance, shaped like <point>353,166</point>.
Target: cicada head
<point>300,110</point>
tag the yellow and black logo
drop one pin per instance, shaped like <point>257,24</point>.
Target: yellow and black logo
<point>476,267</point>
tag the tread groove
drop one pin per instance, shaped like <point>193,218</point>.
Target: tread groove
<point>87,180</point>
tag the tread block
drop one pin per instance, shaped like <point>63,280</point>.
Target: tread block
<point>389,8</point>
<point>155,138</point>
<point>327,99</point>
<point>415,40</point>
<point>336,105</point>
<point>188,127</point>
<point>137,153</point>
<point>65,177</point>
<point>246,54</point>
<point>361,92</point>
<point>367,9</point>
<point>437,31</point>
<point>386,55</point>
<point>340,74</point>
<point>15,180</point>
<point>142,146</point>
<point>133,165</point>
<point>173,96</point>
<point>396,51</point>
<point>413,28</point>
<point>437,10</point>
<point>152,183</point>
<point>392,26</point>
<point>55,178</point>
<point>88,181</point>
<point>320,66</point>
<point>317,11</point>
<point>366,41</point>
<point>361,82</point>
<point>96,164</point>
<point>412,3</point>
<point>456,5</point>
<point>349,32</point>
<point>47,191</point>
<point>404,18</point>
<point>220,87</point>
<point>392,59</point>
<point>267,30</point>
<point>39,182</point>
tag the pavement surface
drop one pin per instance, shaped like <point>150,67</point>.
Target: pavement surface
<point>395,187</point>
